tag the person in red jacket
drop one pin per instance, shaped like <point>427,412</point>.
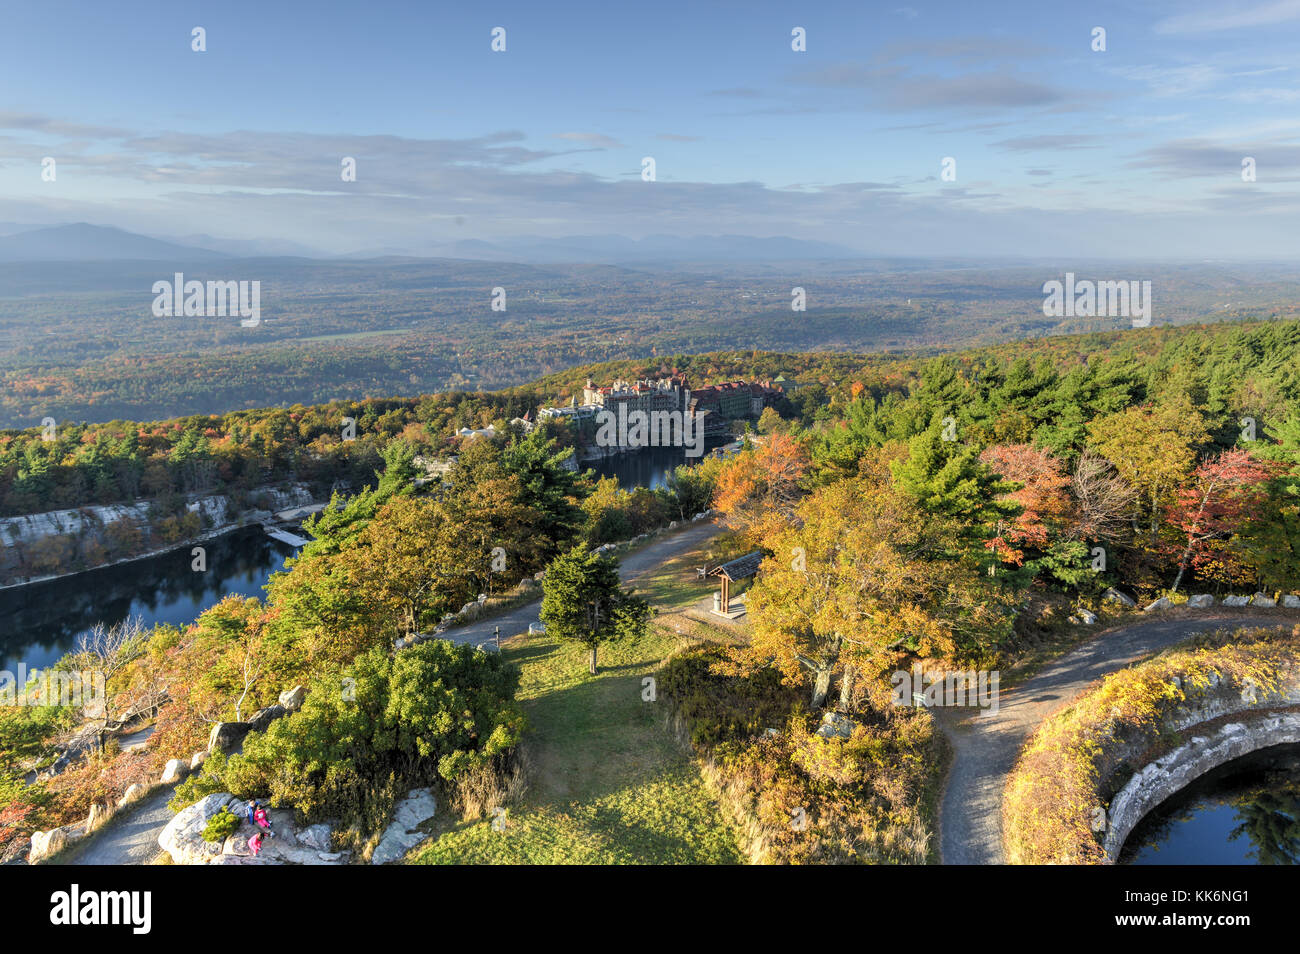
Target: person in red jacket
<point>255,843</point>
<point>260,818</point>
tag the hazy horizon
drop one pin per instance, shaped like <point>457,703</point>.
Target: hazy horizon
<point>1134,150</point>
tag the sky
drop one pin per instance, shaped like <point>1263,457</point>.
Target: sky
<point>1058,149</point>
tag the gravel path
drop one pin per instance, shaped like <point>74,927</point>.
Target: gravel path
<point>649,557</point>
<point>985,747</point>
<point>130,838</point>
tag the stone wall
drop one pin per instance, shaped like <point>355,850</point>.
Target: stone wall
<point>1266,720</point>
<point>1176,770</point>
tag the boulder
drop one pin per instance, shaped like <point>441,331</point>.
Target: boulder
<point>316,836</point>
<point>98,815</point>
<point>403,832</point>
<point>226,735</point>
<point>183,836</point>
<point>262,718</point>
<point>1200,601</point>
<point>535,628</point>
<point>132,794</point>
<point>1260,599</point>
<point>1236,600</point>
<point>1291,601</point>
<point>1155,606</point>
<point>1113,595</point>
<point>174,771</point>
<point>836,725</point>
<point>1087,616</point>
<point>46,844</point>
<point>292,699</point>
<point>197,759</point>
<point>672,525</point>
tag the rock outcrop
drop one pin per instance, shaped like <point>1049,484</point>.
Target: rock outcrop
<point>292,699</point>
<point>1113,595</point>
<point>404,833</point>
<point>183,838</point>
<point>226,735</point>
<point>262,718</point>
<point>45,844</point>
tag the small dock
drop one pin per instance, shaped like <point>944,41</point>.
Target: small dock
<point>284,536</point>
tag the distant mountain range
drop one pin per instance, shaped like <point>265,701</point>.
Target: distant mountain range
<point>82,242</point>
<point>621,250</point>
<point>87,243</point>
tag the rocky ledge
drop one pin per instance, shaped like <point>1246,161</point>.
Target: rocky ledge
<point>183,838</point>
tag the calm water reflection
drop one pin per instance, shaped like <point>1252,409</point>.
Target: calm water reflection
<point>1244,813</point>
<point>647,468</point>
<point>40,623</point>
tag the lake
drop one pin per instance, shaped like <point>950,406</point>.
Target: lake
<point>41,622</point>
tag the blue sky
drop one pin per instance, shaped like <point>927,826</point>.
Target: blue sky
<point>1060,150</point>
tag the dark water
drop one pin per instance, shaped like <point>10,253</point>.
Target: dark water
<point>1244,813</point>
<point>649,467</point>
<point>41,622</point>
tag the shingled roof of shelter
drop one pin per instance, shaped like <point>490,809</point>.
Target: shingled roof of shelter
<point>739,568</point>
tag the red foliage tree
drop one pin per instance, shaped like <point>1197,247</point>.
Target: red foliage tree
<point>1043,497</point>
<point>1224,490</point>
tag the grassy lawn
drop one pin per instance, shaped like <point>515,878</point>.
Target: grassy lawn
<point>607,783</point>
<point>673,584</point>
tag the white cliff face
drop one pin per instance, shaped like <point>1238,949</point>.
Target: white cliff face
<point>89,523</point>
<point>35,526</point>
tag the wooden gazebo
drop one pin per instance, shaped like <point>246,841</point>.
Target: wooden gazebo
<point>741,568</point>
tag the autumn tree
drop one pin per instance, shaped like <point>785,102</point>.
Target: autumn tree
<point>856,577</point>
<point>760,481</point>
<point>1041,496</point>
<point>1154,449</point>
<point>411,563</point>
<point>1225,489</point>
<point>1269,539</point>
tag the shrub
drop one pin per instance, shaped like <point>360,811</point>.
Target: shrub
<point>426,715</point>
<point>221,826</point>
<point>870,798</point>
<point>209,779</point>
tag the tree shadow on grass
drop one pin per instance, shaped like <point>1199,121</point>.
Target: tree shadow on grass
<point>596,739</point>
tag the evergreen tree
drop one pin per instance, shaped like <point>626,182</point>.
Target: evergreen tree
<point>584,600</point>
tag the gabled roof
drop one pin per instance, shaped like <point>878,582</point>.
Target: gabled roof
<point>740,568</point>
